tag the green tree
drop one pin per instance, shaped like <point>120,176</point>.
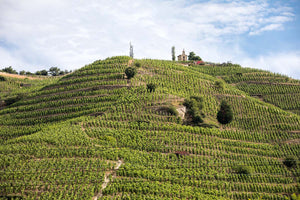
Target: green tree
<point>62,73</point>
<point>22,72</point>
<point>2,78</point>
<point>9,70</point>
<point>225,114</point>
<point>173,53</point>
<point>194,107</point>
<point>44,72</point>
<point>192,56</point>
<point>38,73</point>
<point>130,72</point>
<point>290,161</point>
<point>137,64</point>
<point>54,71</point>
<point>151,87</point>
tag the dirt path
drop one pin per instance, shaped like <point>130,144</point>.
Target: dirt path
<point>229,95</point>
<point>130,62</point>
<point>107,180</point>
<point>17,76</point>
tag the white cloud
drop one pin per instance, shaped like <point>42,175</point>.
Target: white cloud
<point>287,63</point>
<point>70,34</point>
<point>269,27</point>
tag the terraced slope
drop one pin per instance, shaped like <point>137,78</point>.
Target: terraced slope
<point>93,119</point>
<point>12,85</point>
<point>276,89</point>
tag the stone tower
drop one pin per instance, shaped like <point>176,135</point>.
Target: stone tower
<point>182,57</point>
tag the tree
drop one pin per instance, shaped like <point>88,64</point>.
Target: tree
<point>38,73</point>
<point>173,53</point>
<point>44,72</point>
<point>151,87</point>
<point>290,161</point>
<point>2,78</point>
<point>22,72</point>
<point>54,71</point>
<point>61,73</point>
<point>194,107</point>
<point>9,70</point>
<point>130,72</point>
<point>192,56</point>
<point>225,114</point>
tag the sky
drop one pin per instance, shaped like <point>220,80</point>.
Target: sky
<point>39,34</point>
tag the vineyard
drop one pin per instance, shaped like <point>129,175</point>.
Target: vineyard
<point>95,134</point>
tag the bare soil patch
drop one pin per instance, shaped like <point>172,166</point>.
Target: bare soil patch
<point>18,76</point>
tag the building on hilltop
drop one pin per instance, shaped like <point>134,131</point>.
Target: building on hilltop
<point>182,57</point>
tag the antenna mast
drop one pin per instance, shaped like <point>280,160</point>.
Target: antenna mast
<point>131,50</point>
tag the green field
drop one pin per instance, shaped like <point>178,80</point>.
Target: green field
<point>94,133</point>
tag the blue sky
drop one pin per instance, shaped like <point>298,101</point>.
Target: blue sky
<point>38,34</point>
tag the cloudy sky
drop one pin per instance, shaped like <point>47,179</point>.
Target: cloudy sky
<point>38,34</point>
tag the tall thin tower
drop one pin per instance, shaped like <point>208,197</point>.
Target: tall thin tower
<point>131,50</point>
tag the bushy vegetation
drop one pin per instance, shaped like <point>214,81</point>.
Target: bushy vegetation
<point>130,72</point>
<point>12,100</point>
<point>193,56</point>
<point>151,87</point>
<point>169,110</point>
<point>194,107</point>
<point>137,64</point>
<point>225,114</point>
<point>290,161</point>
<point>9,70</point>
<point>243,170</point>
<point>2,78</point>
<point>219,85</point>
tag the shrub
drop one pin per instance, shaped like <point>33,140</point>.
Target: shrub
<point>225,114</point>
<point>242,169</point>
<point>2,78</point>
<point>137,64</point>
<point>194,106</point>
<point>130,72</point>
<point>169,110</point>
<point>172,111</point>
<point>151,87</point>
<point>295,197</point>
<point>290,161</point>
<point>219,85</point>
<point>194,101</point>
<point>12,100</point>
<point>197,119</point>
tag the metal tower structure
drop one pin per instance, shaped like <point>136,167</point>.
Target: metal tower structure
<point>131,50</point>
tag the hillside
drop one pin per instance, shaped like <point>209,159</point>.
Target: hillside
<point>95,134</point>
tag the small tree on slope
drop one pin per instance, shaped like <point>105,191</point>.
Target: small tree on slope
<point>130,72</point>
<point>225,114</point>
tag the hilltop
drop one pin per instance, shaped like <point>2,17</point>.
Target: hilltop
<point>94,133</point>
